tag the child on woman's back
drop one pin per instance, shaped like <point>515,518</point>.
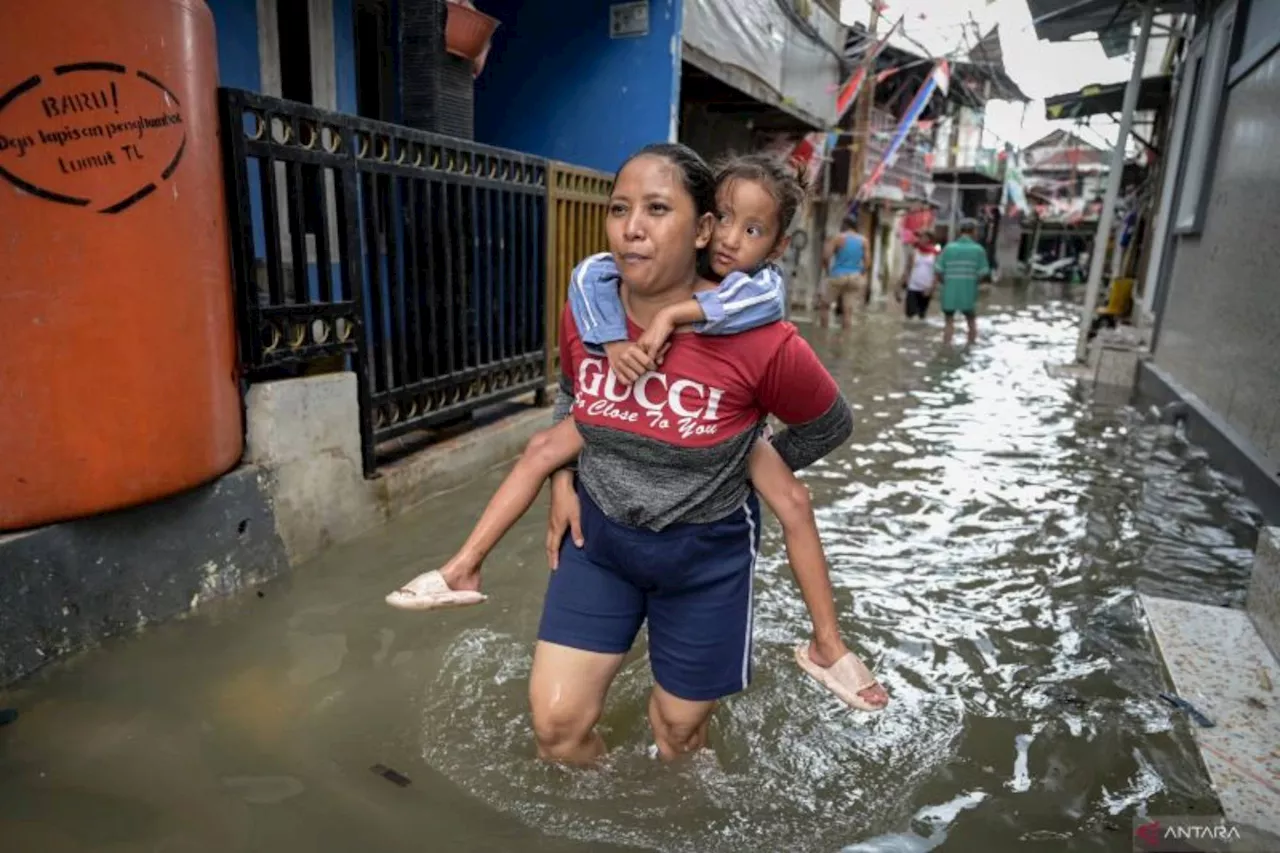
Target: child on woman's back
<point>757,197</point>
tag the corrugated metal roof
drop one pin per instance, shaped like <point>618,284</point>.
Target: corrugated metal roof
<point>987,58</point>
<point>1100,100</point>
<point>985,64</point>
<point>1059,20</point>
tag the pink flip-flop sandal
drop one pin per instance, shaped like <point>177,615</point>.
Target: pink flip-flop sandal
<point>846,678</point>
<point>429,591</point>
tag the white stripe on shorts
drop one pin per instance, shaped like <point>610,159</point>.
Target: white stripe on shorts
<point>751,582</point>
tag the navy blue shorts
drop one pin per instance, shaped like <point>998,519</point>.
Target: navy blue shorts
<point>692,582</point>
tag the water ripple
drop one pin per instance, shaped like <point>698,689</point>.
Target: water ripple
<point>987,531</point>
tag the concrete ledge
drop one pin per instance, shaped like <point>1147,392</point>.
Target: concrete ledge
<point>69,586</point>
<point>1230,452</point>
<point>1109,374</point>
<point>1219,664</point>
<point>1118,365</point>
<point>305,434</point>
<point>1088,382</point>
<point>292,419</point>
<point>1263,602</point>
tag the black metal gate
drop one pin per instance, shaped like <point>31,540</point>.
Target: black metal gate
<point>414,259</point>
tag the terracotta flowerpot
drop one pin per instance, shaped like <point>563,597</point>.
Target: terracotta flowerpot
<point>467,32</point>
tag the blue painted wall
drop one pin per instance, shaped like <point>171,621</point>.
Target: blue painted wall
<point>344,54</point>
<point>236,22</point>
<point>240,67</point>
<point>557,86</point>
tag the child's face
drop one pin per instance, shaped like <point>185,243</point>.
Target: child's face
<point>746,233</point>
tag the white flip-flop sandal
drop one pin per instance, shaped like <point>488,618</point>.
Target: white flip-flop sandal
<point>429,591</point>
<point>846,678</point>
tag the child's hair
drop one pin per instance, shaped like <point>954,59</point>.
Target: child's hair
<point>695,174</point>
<point>776,175</point>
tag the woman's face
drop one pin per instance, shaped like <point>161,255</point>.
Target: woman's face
<point>654,230</point>
<point>746,233</point>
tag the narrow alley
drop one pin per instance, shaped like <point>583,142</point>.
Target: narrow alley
<point>988,533</point>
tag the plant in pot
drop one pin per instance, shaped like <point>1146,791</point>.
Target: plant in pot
<point>468,33</point>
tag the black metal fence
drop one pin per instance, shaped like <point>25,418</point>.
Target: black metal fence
<point>414,259</point>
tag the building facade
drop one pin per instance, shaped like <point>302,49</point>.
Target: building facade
<point>1203,216</point>
<point>1211,290</point>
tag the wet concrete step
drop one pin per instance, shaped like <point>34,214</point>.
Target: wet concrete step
<point>1264,589</point>
<point>1219,663</point>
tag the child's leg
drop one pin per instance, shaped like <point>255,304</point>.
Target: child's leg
<point>789,500</point>
<point>545,453</point>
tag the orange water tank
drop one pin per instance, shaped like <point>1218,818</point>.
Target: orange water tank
<point>117,339</point>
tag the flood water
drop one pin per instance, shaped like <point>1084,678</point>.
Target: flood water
<point>987,531</point>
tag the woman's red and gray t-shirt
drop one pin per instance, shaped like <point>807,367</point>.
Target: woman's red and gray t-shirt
<point>673,447</point>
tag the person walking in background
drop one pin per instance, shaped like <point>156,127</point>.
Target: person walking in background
<point>962,264</point>
<point>844,257</point>
<point>918,275</point>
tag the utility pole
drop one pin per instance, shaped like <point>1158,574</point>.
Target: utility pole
<point>953,160</point>
<point>866,99</point>
<point>861,137</point>
<point>1107,217</point>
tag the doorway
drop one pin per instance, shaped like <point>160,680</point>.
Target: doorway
<point>375,61</point>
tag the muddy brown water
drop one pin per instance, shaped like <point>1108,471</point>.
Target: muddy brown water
<point>987,532</point>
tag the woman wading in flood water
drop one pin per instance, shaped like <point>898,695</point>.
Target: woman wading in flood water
<point>670,525</point>
<point>665,458</point>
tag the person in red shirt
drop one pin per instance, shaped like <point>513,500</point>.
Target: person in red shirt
<point>670,525</point>
<point>756,197</point>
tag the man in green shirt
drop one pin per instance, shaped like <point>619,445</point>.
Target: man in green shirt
<point>962,264</point>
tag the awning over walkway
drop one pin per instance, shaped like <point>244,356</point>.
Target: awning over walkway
<point>1059,20</point>
<point>1108,99</point>
<point>969,178</point>
<point>728,89</point>
<point>788,59</point>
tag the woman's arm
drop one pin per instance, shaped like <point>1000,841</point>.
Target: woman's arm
<point>563,405</point>
<point>566,512</point>
<point>798,390</point>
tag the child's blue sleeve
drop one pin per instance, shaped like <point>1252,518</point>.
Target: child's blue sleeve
<point>742,302</point>
<point>595,302</point>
